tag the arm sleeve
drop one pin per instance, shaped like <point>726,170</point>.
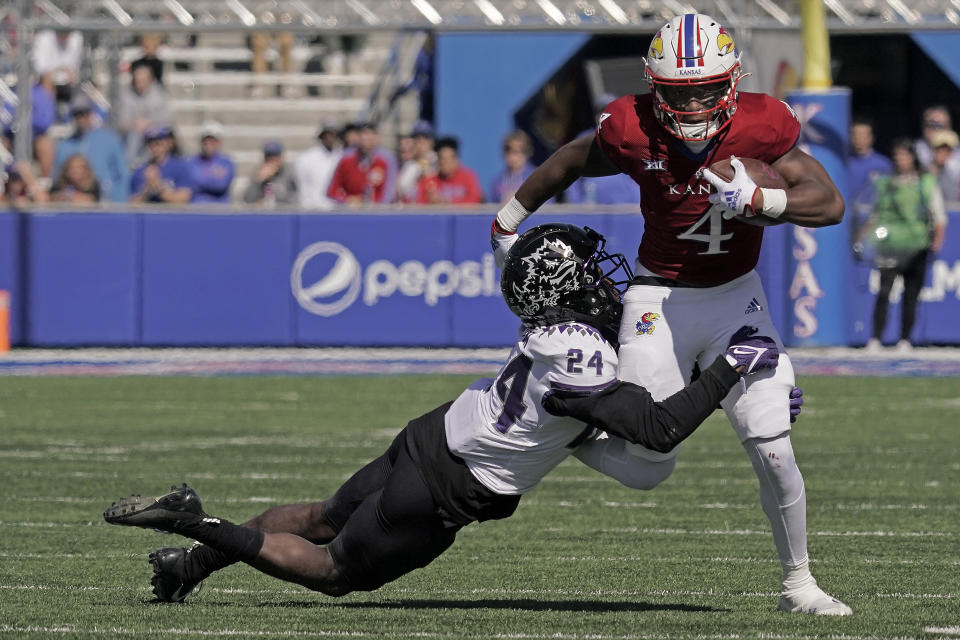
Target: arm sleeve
<point>628,410</point>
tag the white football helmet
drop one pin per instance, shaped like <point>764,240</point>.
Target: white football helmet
<point>693,67</point>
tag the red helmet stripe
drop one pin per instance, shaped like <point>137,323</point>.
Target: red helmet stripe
<point>680,43</point>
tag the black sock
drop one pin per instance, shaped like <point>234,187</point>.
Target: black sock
<point>236,543</point>
<point>203,560</point>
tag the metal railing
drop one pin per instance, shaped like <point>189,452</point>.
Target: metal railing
<point>366,15</point>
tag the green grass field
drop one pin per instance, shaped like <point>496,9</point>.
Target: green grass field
<point>583,558</point>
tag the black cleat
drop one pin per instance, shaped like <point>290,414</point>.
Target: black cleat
<point>164,513</point>
<point>169,580</point>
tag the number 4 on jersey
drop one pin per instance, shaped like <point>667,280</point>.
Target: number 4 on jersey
<point>714,216</point>
<point>515,374</point>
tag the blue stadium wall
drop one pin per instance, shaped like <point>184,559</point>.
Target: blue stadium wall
<point>407,278</point>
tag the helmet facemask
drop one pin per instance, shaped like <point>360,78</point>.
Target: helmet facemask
<point>717,95</point>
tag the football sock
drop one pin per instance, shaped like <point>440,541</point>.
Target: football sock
<point>796,577</point>
<point>782,497</point>
<point>203,560</point>
<point>235,542</point>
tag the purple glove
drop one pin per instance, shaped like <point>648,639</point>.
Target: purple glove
<point>796,400</point>
<point>751,351</point>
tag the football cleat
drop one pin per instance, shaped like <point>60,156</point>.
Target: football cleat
<point>164,513</point>
<point>813,600</point>
<point>169,580</point>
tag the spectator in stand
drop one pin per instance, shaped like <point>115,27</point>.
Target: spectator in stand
<point>907,225</point>
<point>21,188</point>
<point>390,159</point>
<point>406,149</point>
<point>101,147</point>
<point>43,114</point>
<point>453,183</point>
<point>946,164</point>
<point>864,166</point>
<point>361,175</point>
<point>76,182</point>
<point>616,189</point>
<point>211,171</point>
<point>935,118</point>
<point>144,103</point>
<point>517,149</point>
<point>313,169</point>
<point>350,136</point>
<point>56,59</point>
<point>272,182</point>
<point>150,45</point>
<point>165,177</point>
<point>423,162</point>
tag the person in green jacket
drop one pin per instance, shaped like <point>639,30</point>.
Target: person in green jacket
<point>907,224</point>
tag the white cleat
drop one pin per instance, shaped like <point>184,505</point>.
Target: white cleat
<point>813,600</point>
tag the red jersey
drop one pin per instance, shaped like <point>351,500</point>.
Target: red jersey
<point>460,187</point>
<point>685,237</point>
<point>354,176</point>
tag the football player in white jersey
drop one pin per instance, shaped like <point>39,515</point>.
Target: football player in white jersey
<point>469,460</point>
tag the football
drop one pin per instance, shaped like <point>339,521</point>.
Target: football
<point>763,175</point>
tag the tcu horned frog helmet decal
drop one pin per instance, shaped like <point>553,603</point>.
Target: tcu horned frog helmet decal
<point>557,272</point>
<point>693,67</point>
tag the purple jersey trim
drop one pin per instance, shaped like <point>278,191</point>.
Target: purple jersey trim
<point>579,390</point>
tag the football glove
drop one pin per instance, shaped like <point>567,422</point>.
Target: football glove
<point>751,351</point>
<point>501,241</point>
<point>796,401</point>
<point>735,196</point>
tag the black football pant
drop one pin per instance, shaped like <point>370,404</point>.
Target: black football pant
<point>913,273</point>
<point>386,521</point>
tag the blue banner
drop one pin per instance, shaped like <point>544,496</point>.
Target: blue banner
<point>82,279</point>
<point>358,279</point>
<point>819,257</point>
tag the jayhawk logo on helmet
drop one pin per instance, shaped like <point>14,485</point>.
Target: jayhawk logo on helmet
<point>725,43</point>
<point>645,326</point>
<point>656,46</point>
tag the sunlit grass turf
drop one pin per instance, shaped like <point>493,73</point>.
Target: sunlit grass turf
<point>582,558</point>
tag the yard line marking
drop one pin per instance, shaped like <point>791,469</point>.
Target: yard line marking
<point>83,556</point>
<point>950,631</point>
<point>71,629</point>
<point>748,560</point>
<point>765,532</point>
<point>534,502</point>
<point>641,530</point>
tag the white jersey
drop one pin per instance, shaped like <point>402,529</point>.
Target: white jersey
<point>500,428</point>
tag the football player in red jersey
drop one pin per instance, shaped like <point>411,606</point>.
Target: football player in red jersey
<point>695,265</point>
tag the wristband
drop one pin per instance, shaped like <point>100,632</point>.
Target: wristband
<point>511,215</point>
<point>774,202</point>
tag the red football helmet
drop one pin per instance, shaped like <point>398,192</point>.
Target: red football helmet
<point>693,67</point>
